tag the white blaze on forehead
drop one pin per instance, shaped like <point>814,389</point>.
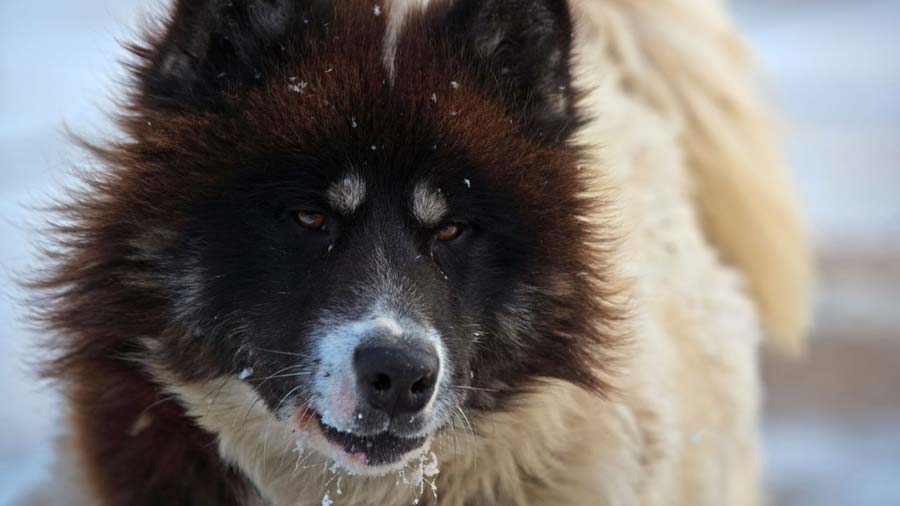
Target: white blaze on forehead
<point>428,206</point>
<point>399,11</point>
<point>347,194</point>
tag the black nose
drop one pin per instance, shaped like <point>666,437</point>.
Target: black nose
<point>397,377</point>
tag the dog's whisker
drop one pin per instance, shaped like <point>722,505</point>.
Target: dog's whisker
<point>256,399</point>
<point>284,398</point>
<point>215,394</point>
<point>279,352</point>
<point>471,432</point>
<point>479,389</point>
<point>291,375</point>
<point>275,375</point>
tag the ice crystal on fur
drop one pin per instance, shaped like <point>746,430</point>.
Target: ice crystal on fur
<point>425,474</point>
<point>297,87</point>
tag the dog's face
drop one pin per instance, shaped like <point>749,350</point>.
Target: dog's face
<point>380,228</point>
<point>359,296</point>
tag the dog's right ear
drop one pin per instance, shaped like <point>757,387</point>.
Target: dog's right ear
<point>211,47</point>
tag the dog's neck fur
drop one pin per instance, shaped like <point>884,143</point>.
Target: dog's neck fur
<point>544,436</point>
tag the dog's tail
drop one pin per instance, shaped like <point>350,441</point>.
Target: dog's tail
<point>685,58</point>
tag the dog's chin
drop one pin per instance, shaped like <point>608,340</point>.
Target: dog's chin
<point>370,455</point>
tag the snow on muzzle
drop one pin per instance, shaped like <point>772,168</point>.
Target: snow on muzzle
<point>375,388</point>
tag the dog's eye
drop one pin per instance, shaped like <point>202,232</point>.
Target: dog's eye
<point>449,232</point>
<point>312,220</point>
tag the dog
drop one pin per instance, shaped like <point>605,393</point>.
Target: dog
<point>457,252</point>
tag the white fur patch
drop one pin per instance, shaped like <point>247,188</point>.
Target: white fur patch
<point>399,9</point>
<point>248,434</point>
<point>284,458</point>
<point>335,396</point>
<point>428,206</point>
<point>347,194</point>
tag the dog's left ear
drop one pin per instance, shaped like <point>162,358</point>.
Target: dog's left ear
<point>525,46</point>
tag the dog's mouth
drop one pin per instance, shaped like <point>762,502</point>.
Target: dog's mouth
<point>371,450</point>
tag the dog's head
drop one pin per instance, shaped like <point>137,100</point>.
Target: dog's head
<point>378,225</point>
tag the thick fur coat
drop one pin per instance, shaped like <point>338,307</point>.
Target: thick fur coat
<point>668,245</point>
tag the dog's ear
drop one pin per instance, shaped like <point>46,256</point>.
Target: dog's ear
<point>526,47</point>
<point>211,47</point>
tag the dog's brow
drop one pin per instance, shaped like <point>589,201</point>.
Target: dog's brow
<point>347,193</point>
<point>428,206</point>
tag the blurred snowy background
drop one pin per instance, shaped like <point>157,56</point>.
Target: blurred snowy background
<point>833,423</point>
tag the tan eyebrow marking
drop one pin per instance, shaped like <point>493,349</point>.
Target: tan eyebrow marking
<point>348,193</point>
<point>428,206</point>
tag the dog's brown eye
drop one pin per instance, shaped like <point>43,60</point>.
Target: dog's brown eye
<point>312,220</point>
<point>449,232</point>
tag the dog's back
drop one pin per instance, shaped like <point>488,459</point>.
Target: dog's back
<point>685,60</point>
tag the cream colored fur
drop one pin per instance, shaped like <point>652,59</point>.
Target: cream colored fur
<point>685,60</point>
<point>713,252</point>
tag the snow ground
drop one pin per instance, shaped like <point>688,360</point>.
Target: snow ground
<point>833,68</point>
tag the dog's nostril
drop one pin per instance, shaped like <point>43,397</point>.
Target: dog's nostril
<point>381,383</point>
<point>423,385</point>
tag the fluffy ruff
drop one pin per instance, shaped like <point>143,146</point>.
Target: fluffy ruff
<point>681,280</point>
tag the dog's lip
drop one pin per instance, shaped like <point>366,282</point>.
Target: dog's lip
<point>374,450</point>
